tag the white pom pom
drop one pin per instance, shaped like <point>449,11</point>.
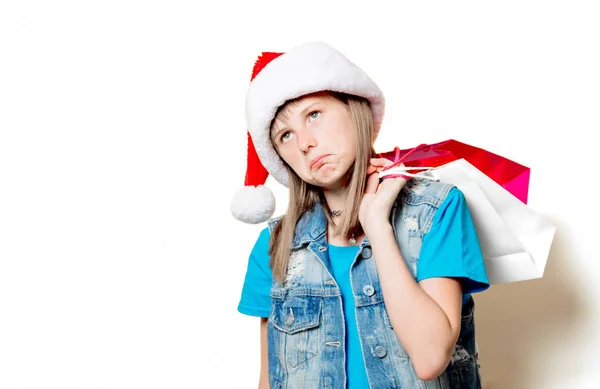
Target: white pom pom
<point>253,204</point>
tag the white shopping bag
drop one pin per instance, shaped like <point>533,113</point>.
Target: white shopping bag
<point>514,239</point>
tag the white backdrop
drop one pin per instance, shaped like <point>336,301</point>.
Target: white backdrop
<point>123,138</point>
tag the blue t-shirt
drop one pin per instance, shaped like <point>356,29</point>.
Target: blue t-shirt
<point>341,257</point>
<point>450,249</point>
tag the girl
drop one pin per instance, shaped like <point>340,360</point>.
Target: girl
<point>363,283</point>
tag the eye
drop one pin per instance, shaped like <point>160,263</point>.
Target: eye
<point>312,115</point>
<point>284,137</point>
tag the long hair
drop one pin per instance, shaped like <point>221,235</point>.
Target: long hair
<point>303,196</point>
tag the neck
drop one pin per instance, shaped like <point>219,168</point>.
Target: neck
<point>335,198</point>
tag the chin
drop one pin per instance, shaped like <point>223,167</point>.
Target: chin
<point>335,180</point>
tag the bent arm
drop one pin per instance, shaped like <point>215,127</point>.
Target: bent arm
<point>425,316</point>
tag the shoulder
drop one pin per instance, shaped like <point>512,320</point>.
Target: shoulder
<point>453,212</point>
<point>261,246</point>
<point>271,223</point>
<point>423,191</point>
<point>259,259</point>
<point>454,203</point>
<point>422,202</point>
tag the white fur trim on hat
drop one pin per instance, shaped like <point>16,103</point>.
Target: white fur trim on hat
<point>311,67</point>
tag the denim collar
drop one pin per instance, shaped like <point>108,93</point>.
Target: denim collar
<point>312,227</point>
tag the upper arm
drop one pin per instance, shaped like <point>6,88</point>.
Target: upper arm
<point>451,246</point>
<point>451,261</point>
<point>255,298</point>
<point>263,382</point>
<point>263,335</point>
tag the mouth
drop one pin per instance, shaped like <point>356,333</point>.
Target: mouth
<point>318,161</point>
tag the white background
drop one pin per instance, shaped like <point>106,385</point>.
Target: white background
<point>123,139</point>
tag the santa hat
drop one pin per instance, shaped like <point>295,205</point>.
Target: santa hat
<point>277,78</point>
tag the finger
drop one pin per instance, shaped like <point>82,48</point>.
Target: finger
<point>372,183</point>
<point>371,169</point>
<point>393,184</point>
<point>381,162</point>
<point>400,165</point>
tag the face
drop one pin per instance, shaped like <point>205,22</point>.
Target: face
<point>317,138</point>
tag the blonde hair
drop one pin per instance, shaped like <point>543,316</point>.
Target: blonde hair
<point>303,196</point>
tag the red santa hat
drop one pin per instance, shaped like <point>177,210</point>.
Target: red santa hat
<point>277,78</point>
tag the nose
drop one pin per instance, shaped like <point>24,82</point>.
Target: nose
<point>306,141</point>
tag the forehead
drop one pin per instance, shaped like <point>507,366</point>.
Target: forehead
<point>297,105</point>
<point>314,97</point>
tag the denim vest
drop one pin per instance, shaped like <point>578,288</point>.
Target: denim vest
<point>306,327</point>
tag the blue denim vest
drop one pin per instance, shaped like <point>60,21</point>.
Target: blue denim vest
<point>306,327</point>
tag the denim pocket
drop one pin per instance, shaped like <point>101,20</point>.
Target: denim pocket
<point>296,322</point>
<point>465,376</point>
<point>463,370</point>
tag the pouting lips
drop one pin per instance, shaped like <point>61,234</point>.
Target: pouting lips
<point>318,161</point>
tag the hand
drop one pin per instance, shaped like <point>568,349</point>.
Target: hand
<point>379,196</point>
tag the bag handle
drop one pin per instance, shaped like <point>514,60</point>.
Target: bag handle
<point>394,170</point>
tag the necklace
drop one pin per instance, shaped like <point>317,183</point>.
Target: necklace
<point>336,213</point>
<point>352,240</point>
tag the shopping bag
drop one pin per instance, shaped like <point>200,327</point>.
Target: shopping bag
<point>515,240</point>
<point>511,175</point>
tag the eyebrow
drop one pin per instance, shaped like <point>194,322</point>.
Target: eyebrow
<point>308,107</point>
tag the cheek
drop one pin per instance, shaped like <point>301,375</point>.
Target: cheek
<point>346,128</point>
<point>350,137</point>
<point>292,159</point>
